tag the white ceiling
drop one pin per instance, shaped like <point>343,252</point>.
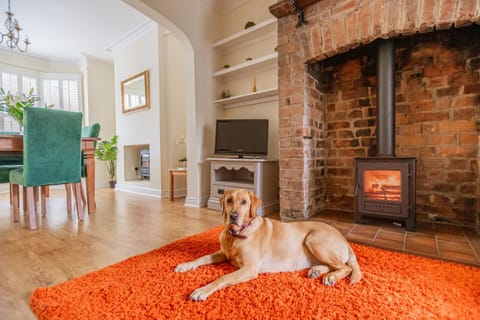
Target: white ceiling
<point>63,30</point>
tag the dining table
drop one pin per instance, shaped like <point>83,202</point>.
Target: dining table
<point>13,143</point>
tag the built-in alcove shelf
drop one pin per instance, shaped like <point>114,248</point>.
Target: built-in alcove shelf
<point>249,98</point>
<point>136,168</point>
<point>250,37</point>
<point>257,33</point>
<point>254,64</point>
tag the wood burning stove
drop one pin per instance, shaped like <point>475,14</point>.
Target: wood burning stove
<point>385,184</point>
<point>385,187</point>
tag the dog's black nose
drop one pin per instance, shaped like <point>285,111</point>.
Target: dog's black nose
<point>234,216</point>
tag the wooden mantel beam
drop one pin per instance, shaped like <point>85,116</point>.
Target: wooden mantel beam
<point>282,8</point>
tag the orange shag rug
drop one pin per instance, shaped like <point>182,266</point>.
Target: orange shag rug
<point>394,286</point>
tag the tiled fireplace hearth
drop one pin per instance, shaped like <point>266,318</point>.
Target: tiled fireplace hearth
<point>328,102</point>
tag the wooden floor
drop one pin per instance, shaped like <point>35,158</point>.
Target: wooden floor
<point>128,224</point>
<point>61,249</point>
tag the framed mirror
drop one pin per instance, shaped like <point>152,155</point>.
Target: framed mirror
<point>135,92</point>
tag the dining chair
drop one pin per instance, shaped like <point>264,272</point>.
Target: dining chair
<point>51,156</point>
<point>8,162</point>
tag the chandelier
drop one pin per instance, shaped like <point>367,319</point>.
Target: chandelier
<point>12,36</point>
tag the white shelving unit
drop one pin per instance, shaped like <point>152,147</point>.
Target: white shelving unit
<point>248,65</point>
<point>249,98</point>
<point>248,37</point>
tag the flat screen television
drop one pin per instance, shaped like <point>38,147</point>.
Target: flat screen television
<point>242,137</point>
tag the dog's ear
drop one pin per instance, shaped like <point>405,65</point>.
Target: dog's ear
<point>221,203</point>
<point>254,204</point>
<point>220,200</point>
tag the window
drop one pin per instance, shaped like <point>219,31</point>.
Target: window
<point>60,90</point>
<point>71,95</point>
<point>51,92</point>
<point>9,82</point>
<point>29,83</point>
<point>63,94</point>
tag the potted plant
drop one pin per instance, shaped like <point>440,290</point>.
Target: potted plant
<point>106,151</point>
<point>14,105</point>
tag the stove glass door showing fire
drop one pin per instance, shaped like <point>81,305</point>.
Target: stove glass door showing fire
<point>382,185</point>
<point>385,187</point>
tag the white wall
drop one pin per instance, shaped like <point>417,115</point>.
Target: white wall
<point>197,25</point>
<point>234,20</point>
<point>28,62</point>
<point>161,126</point>
<point>140,127</point>
<point>193,24</point>
<point>173,113</point>
<point>99,104</point>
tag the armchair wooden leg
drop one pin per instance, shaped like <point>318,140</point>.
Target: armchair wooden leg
<point>44,200</point>
<point>78,195</point>
<point>24,191</point>
<point>31,208</point>
<point>10,191</point>
<point>14,191</point>
<point>68,191</point>
<point>36,196</point>
<point>84,198</point>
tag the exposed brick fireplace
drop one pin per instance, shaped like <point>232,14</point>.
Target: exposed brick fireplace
<point>328,102</point>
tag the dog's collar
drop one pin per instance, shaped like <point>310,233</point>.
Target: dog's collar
<point>237,234</point>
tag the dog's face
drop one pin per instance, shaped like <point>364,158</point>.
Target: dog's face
<point>239,207</point>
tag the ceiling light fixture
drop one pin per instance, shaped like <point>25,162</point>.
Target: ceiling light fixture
<point>12,36</point>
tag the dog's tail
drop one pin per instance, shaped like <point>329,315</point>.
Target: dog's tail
<point>353,263</point>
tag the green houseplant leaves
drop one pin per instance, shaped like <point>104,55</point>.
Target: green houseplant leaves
<point>15,104</point>
<point>106,151</point>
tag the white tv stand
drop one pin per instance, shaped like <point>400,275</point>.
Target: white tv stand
<point>257,175</point>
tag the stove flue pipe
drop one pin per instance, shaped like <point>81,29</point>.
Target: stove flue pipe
<point>386,98</point>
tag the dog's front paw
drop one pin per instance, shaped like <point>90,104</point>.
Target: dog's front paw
<point>200,294</point>
<point>317,271</point>
<point>187,266</point>
<point>329,279</point>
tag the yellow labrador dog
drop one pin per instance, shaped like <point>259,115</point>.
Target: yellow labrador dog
<point>255,245</point>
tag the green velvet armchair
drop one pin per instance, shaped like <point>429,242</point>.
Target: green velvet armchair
<point>9,162</point>
<point>91,131</point>
<point>51,156</point>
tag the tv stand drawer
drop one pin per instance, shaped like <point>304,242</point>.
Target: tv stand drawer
<point>218,190</point>
<point>235,166</point>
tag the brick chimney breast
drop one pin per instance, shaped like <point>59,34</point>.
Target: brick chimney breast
<point>327,101</point>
